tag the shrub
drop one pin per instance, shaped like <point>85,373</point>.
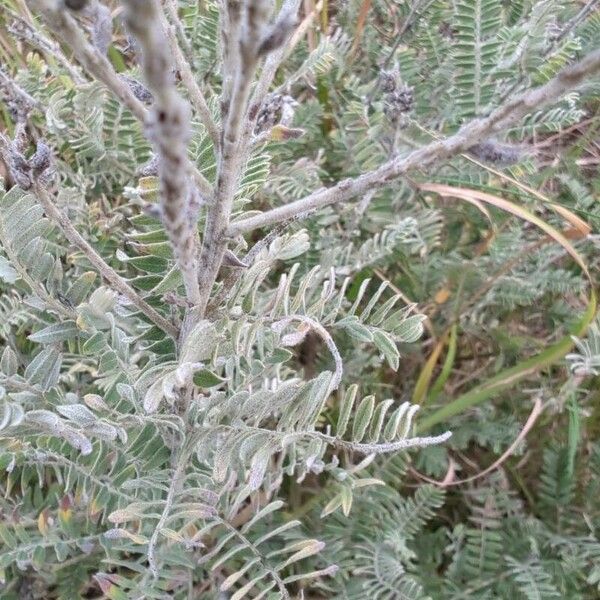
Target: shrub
<point>197,335</point>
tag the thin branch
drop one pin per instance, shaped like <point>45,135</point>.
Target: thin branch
<point>257,39</point>
<point>18,92</point>
<point>21,29</point>
<point>105,270</point>
<point>217,219</point>
<point>577,19</point>
<point>414,11</point>
<point>288,13</point>
<point>172,12</point>
<point>230,19</point>
<point>467,136</point>
<point>65,27</point>
<point>362,448</point>
<point>450,481</point>
<point>169,130</point>
<point>301,29</point>
<point>98,66</point>
<point>189,81</point>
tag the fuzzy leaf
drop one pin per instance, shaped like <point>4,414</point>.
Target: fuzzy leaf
<point>387,346</point>
<point>59,332</point>
<point>362,418</point>
<point>207,379</point>
<point>7,272</point>
<point>44,369</point>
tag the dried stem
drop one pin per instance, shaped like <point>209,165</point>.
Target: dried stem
<point>287,17</point>
<point>302,28</point>
<point>467,136</point>
<point>537,410</point>
<point>105,270</point>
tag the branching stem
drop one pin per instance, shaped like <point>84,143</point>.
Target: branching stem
<point>470,134</point>
<point>98,66</point>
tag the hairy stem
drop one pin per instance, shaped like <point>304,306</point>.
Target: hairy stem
<point>169,130</point>
<point>256,39</point>
<point>20,28</point>
<point>65,28</point>
<point>105,270</point>
<point>468,135</point>
<point>174,487</point>
<point>189,81</point>
<point>229,168</point>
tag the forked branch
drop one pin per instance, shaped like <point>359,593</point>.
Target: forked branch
<point>255,38</point>
<point>98,66</point>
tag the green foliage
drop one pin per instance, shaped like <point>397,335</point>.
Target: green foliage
<point>263,457</point>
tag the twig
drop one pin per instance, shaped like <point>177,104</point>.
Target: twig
<point>65,28</point>
<point>189,81</point>
<point>467,136</point>
<point>288,11</point>
<point>578,18</point>
<point>9,83</point>
<point>301,29</point>
<point>361,448</point>
<point>230,23</point>
<point>20,28</point>
<point>170,131</point>
<point>172,11</point>
<point>416,6</point>
<point>105,270</point>
<point>256,40</point>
